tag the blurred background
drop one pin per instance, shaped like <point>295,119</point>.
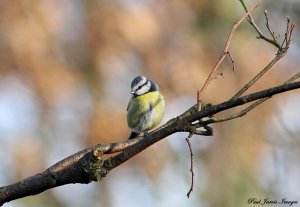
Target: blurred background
<point>65,74</point>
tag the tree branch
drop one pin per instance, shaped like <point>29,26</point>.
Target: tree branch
<point>88,165</point>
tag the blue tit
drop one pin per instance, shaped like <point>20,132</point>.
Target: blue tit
<point>146,107</point>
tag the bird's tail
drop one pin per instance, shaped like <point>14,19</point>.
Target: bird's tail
<point>133,135</point>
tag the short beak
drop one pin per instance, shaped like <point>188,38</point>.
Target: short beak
<point>132,92</point>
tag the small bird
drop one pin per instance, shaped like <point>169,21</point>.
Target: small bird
<point>146,107</point>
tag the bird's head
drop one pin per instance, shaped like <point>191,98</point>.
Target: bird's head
<point>141,85</point>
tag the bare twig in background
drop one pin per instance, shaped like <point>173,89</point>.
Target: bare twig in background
<point>222,57</point>
<point>260,34</point>
<point>192,161</point>
<point>274,37</point>
<point>281,50</point>
<point>260,74</point>
<point>232,61</point>
<point>286,33</point>
<point>273,41</point>
<point>199,101</point>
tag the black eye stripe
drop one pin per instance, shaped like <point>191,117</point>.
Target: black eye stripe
<point>142,85</point>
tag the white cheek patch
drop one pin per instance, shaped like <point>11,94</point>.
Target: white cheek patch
<point>144,89</point>
<point>139,84</point>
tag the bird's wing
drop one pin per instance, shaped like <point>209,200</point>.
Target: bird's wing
<point>133,113</point>
<point>128,105</point>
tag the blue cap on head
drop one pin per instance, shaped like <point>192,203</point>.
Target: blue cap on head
<point>138,80</point>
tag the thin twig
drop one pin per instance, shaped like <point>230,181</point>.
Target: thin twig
<point>225,51</point>
<point>199,105</point>
<point>232,61</point>
<point>192,167</point>
<point>259,32</point>
<point>250,19</point>
<point>269,28</point>
<point>247,109</point>
<point>287,31</point>
<point>281,50</point>
<point>292,27</point>
<point>285,40</point>
<point>260,74</point>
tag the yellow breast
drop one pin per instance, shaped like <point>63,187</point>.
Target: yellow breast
<point>146,111</point>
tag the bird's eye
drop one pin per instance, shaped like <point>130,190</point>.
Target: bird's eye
<point>141,86</point>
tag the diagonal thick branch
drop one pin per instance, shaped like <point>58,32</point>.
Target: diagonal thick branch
<point>89,165</point>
